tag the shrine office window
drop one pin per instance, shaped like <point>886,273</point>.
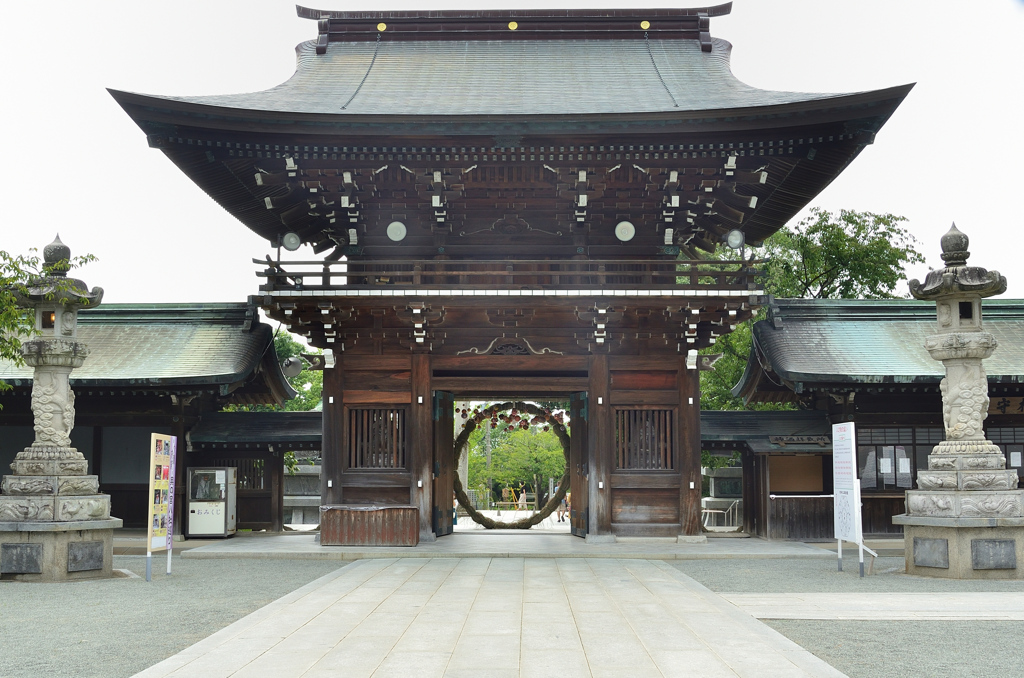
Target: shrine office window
<point>888,458</point>
<point>644,440</point>
<point>1010,440</point>
<point>377,437</point>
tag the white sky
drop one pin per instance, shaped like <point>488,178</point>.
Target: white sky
<point>75,163</point>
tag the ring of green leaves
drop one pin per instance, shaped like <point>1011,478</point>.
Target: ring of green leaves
<point>460,445</point>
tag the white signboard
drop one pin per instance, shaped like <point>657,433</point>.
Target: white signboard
<point>844,480</point>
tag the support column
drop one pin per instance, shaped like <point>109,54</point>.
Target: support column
<point>600,462</point>
<point>333,443</point>
<point>180,488</point>
<point>688,438</point>
<point>421,443</point>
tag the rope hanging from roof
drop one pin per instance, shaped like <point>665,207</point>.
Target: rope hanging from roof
<point>369,68</point>
<point>657,70</point>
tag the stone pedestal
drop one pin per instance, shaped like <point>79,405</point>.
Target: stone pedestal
<point>963,548</point>
<point>57,551</point>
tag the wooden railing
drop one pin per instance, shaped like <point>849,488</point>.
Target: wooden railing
<point>504,274</point>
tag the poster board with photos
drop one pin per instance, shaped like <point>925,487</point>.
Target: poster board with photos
<point>163,452</point>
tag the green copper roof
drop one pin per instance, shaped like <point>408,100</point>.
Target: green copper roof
<point>866,342</point>
<point>153,346</point>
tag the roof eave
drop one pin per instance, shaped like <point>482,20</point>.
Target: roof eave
<point>818,110</point>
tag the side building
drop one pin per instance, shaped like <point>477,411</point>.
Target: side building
<point>862,361</point>
<point>162,368</point>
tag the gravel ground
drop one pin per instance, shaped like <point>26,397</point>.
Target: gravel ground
<point>897,649</point>
<point>118,627</point>
<point>875,649</point>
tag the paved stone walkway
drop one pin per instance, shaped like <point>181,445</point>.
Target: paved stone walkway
<point>498,617</point>
<point>507,544</point>
<point>889,606</point>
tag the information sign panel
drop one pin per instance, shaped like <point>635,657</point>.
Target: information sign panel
<point>844,479</point>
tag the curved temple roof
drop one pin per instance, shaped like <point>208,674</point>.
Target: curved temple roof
<point>509,77</point>
<point>456,122</point>
<point>468,63</point>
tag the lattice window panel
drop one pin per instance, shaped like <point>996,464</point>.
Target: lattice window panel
<point>250,474</point>
<point>377,437</point>
<point>644,440</point>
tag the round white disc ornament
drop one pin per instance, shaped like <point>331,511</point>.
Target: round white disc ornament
<point>734,239</point>
<point>396,231</point>
<point>625,231</point>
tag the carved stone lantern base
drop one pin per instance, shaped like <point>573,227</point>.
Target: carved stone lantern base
<point>966,520</point>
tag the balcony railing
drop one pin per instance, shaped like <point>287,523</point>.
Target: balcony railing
<point>298,276</point>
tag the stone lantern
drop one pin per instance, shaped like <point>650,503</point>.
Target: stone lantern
<point>54,523</point>
<point>966,519</point>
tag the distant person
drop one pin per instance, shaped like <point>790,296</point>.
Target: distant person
<point>562,505</point>
<point>522,497</point>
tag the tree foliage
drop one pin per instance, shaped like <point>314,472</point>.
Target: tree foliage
<point>849,255</point>
<point>308,383</point>
<point>844,255</point>
<point>518,456</point>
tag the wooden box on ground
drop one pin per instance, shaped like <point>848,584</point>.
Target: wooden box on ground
<point>369,526</point>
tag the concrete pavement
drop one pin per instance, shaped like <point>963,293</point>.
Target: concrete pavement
<point>497,617</point>
<point>507,544</point>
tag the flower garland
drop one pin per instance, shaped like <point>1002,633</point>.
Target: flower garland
<point>518,417</point>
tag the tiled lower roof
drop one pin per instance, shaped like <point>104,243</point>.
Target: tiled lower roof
<point>868,342</point>
<point>153,345</point>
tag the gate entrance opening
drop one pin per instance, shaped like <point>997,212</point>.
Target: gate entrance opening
<point>523,461</point>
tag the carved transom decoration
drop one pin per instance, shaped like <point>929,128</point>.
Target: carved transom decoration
<point>510,349</point>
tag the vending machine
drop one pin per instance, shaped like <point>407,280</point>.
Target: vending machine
<point>211,501</point>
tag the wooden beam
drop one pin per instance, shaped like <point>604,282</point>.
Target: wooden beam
<point>510,386</point>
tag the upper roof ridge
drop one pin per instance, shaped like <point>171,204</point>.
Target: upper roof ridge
<point>514,24</point>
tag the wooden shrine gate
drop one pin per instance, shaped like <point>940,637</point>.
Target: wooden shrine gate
<point>458,235</point>
<point>634,452</point>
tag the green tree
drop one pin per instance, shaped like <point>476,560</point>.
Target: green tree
<point>518,456</point>
<point>849,255</point>
<point>527,457</point>
<point>844,255</point>
<point>17,271</point>
<point>308,383</point>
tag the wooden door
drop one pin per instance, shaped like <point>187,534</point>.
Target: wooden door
<point>579,509</point>
<point>443,492</point>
